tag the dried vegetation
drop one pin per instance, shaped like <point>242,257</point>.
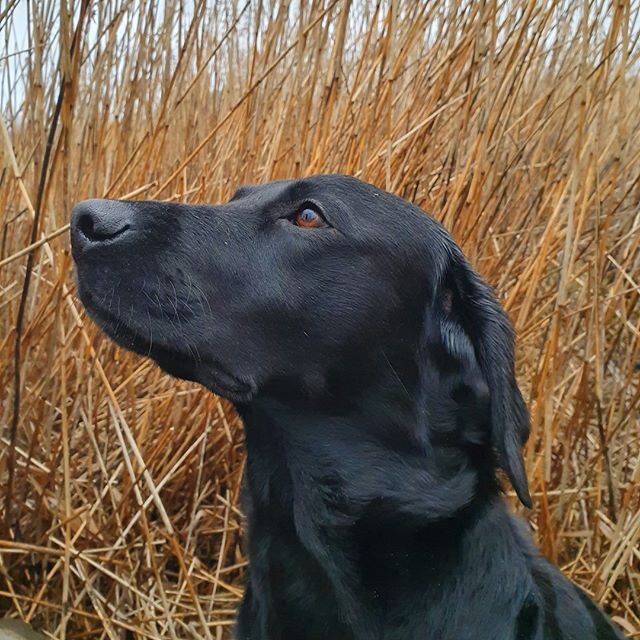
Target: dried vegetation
<point>515,123</point>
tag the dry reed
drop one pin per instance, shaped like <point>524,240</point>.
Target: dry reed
<point>514,123</point>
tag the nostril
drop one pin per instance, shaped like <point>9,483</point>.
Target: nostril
<point>97,232</point>
<point>85,226</point>
<point>96,222</point>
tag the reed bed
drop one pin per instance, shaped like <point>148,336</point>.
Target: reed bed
<point>514,123</point>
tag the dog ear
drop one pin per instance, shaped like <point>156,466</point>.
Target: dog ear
<point>468,346</point>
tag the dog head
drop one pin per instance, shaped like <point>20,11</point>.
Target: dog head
<point>276,290</point>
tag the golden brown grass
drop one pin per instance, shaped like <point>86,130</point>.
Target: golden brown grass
<point>515,123</point>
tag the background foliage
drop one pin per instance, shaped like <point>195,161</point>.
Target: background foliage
<point>515,123</point>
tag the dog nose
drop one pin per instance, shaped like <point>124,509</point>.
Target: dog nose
<point>95,222</point>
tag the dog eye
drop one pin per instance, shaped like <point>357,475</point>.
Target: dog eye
<point>309,219</point>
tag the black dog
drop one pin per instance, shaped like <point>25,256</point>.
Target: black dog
<point>374,372</point>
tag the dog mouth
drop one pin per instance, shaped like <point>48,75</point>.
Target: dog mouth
<point>192,366</point>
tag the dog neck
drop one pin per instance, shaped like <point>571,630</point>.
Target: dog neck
<point>332,470</point>
<point>364,440</point>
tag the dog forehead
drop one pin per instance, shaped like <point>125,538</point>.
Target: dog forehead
<point>321,186</point>
<point>266,192</point>
<point>346,188</point>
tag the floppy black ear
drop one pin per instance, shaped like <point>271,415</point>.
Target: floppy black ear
<point>469,342</point>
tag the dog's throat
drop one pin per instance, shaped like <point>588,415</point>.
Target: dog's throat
<point>332,493</point>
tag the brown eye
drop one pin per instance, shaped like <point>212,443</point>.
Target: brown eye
<point>308,219</point>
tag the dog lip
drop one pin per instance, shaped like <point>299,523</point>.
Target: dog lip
<point>218,379</point>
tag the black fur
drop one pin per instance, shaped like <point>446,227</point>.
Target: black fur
<point>374,372</point>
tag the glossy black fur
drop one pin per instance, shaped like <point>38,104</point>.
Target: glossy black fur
<point>374,372</point>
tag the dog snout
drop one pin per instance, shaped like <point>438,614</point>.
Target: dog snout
<point>100,222</point>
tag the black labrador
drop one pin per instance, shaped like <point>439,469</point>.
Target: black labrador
<point>374,372</point>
